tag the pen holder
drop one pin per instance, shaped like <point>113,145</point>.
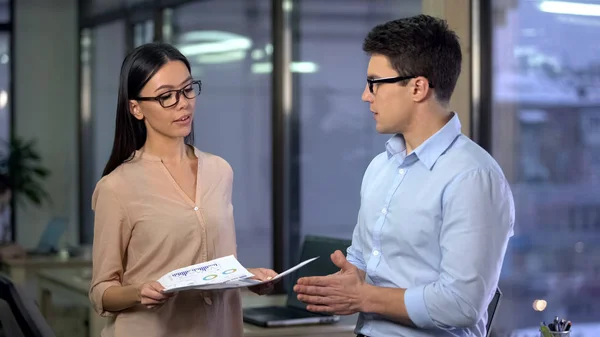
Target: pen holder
<point>557,334</point>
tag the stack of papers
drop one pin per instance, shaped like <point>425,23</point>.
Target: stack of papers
<point>222,273</point>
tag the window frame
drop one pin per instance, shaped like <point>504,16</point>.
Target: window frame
<point>285,190</point>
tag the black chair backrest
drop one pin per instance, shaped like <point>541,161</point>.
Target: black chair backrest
<point>9,325</point>
<point>313,246</point>
<point>24,309</point>
<point>492,310</point>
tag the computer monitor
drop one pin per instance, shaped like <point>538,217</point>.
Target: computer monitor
<point>51,236</point>
<point>294,312</point>
<point>314,246</point>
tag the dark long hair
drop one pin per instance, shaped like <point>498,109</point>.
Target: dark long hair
<point>137,69</point>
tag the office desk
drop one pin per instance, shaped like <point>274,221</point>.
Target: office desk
<point>343,328</point>
<point>68,284</point>
<point>21,270</point>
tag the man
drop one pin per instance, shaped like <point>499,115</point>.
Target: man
<point>436,211</point>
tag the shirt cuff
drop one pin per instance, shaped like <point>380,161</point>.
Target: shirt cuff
<point>414,301</point>
<point>96,297</point>
<point>358,264</point>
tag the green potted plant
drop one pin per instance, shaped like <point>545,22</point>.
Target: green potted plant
<point>23,166</point>
<point>22,180</point>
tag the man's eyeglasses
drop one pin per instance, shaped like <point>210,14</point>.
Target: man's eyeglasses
<point>171,98</point>
<point>372,81</point>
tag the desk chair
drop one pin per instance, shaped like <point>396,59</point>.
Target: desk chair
<point>25,311</point>
<point>9,327</point>
<point>492,307</point>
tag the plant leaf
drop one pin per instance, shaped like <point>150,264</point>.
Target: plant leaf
<point>25,170</point>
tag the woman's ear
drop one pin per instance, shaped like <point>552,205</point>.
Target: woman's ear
<point>134,109</point>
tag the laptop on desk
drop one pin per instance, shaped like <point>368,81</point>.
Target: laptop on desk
<point>294,312</point>
<point>50,238</point>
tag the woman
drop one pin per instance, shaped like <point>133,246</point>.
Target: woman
<point>161,205</point>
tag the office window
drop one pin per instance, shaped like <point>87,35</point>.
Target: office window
<point>5,11</point>
<point>99,7</point>
<point>143,32</point>
<point>546,136</point>
<point>5,122</point>
<point>228,45</point>
<point>4,87</point>
<point>337,137</point>
<point>103,51</point>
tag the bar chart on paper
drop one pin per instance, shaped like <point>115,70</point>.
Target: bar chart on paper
<point>222,273</point>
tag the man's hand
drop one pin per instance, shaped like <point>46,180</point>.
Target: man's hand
<point>262,274</point>
<point>341,293</point>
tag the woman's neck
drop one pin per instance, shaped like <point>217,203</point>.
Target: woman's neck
<point>172,150</point>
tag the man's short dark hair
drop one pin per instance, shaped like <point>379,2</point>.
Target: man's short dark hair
<point>420,46</point>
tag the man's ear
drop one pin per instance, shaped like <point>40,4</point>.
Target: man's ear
<point>420,89</point>
<point>134,109</point>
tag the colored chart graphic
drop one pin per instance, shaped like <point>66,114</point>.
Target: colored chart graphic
<point>209,277</point>
<point>229,271</point>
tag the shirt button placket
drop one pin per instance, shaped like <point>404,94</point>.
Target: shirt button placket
<point>203,227</point>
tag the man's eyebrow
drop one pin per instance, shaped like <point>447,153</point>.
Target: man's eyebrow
<point>373,76</point>
<point>168,86</point>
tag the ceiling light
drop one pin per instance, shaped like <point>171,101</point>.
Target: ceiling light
<point>571,8</point>
<point>295,67</point>
<point>3,99</point>
<point>206,42</point>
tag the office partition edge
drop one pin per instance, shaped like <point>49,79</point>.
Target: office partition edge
<point>281,110</point>
<point>482,62</point>
<point>11,96</point>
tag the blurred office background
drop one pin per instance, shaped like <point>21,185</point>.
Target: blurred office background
<point>299,144</point>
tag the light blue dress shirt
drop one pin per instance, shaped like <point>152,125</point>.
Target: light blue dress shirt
<point>435,222</point>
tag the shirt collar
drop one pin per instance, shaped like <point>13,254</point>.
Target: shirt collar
<point>428,152</point>
<point>147,156</point>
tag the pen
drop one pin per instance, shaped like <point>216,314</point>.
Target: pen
<point>567,326</point>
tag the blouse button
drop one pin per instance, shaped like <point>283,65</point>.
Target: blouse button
<point>196,208</point>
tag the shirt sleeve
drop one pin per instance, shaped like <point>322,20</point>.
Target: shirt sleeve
<point>111,236</point>
<point>354,252</point>
<point>478,220</point>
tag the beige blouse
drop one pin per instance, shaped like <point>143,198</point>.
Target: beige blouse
<point>145,226</point>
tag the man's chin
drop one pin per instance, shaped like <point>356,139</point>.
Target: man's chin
<point>382,129</point>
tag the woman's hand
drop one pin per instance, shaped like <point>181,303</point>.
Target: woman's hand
<point>262,274</point>
<point>151,295</point>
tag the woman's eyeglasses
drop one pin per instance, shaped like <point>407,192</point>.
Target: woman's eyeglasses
<point>171,98</point>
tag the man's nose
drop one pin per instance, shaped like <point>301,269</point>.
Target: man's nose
<point>367,96</point>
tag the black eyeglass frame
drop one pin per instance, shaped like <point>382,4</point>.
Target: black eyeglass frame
<point>397,79</point>
<point>177,92</point>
